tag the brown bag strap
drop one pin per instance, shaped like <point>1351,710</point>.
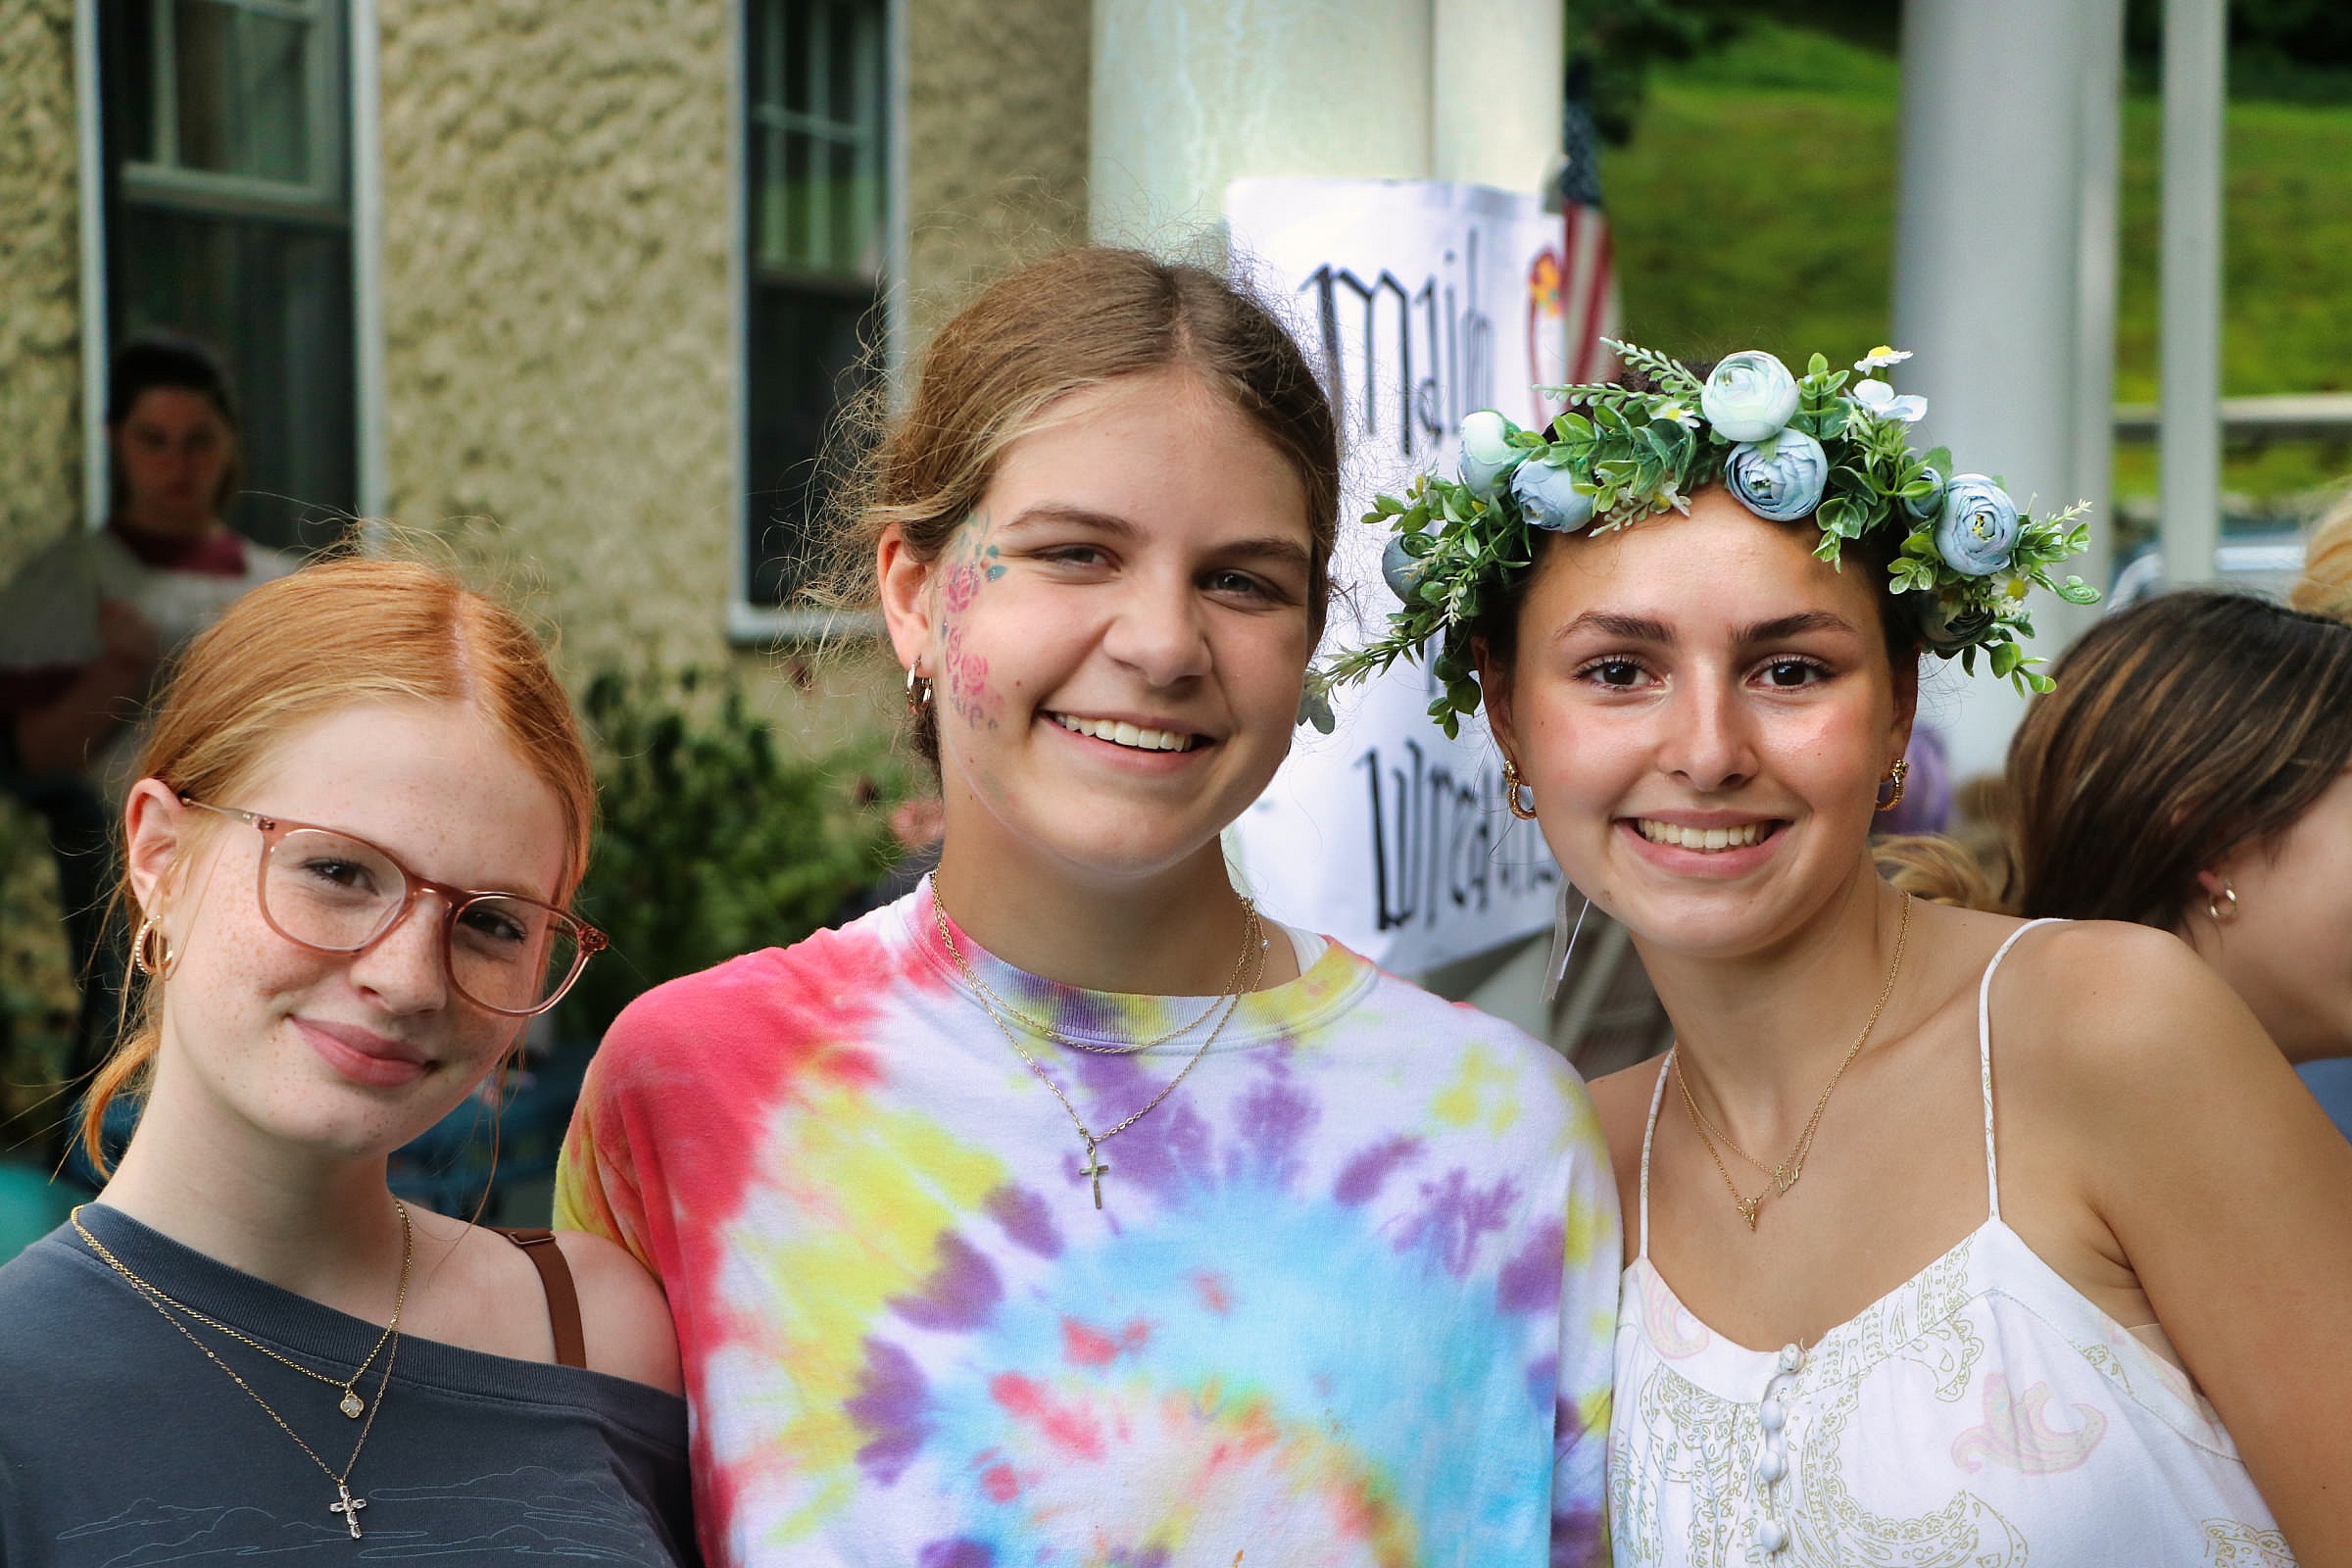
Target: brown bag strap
<point>563,1297</point>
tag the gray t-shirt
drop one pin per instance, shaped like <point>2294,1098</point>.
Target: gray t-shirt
<point>120,1443</point>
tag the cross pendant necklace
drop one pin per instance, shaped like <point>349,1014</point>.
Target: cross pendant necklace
<point>349,1508</point>
<point>1094,1167</point>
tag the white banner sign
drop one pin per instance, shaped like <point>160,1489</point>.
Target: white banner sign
<point>1425,300</point>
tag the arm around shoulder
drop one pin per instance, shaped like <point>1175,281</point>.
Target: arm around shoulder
<point>2229,1190</point>
<point>624,1318</point>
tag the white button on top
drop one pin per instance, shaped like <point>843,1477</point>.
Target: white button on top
<point>1770,1414</point>
<point>1793,1357</point>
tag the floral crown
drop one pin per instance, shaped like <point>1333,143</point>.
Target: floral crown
<point>1786,447</point>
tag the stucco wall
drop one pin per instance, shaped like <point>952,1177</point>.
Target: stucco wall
<point>997,140</point>
<point>40,280</point>
<point>558,358</point>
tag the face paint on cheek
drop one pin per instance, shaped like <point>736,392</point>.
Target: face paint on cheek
<point>968,691</point>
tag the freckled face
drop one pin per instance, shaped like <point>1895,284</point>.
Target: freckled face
<point>1703,711</point>
<point>1118,634</point>
<point>357,1053</point>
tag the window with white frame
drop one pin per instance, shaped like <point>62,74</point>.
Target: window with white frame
<point>227,218</point>
<point>816,205</point>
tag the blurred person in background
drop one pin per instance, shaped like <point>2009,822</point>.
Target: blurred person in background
<point>2193,772</point>
<point>88,622</point>
<point>2325,586</point>
<point>363,811</point>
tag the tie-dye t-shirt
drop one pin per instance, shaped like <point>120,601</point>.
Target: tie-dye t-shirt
<point>1349,1298</point>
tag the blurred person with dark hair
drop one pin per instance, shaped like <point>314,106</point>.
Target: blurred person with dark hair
<point>2193,772</point>
<point>88,622</point>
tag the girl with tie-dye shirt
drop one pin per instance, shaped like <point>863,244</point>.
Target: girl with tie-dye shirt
<point>1067,1211</point>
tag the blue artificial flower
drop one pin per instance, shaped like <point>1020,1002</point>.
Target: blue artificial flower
<point>1749,396</point>
<point>1978,531</point>
<point>1780,479</point>
<point>1400,570</point>
<point>1927,507</point>
<point>1549,498</point>
<point>1486,451</point>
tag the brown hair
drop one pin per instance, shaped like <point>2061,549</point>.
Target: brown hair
<point>167,361</point>
<point>2181,728</point>
<point>1068,321</point>
<point>2325,586</point>
<point>328,638</point>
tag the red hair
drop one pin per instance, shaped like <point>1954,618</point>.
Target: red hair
<point>330,637</point>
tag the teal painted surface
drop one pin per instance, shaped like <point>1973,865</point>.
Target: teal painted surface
<point>31,1206</point>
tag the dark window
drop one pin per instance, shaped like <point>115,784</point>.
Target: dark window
<point>228,219</point>
<point>816,210</point>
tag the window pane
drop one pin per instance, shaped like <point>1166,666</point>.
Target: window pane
<point>803,353</point>
<point>275,298</point>
<point>244,106</point>
<point>129,46</point>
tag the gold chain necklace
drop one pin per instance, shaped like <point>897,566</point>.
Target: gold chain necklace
<point>347,1504</point>
<point>351,1405</point>
<point>1254,944</point>
<point>1785,1175</point>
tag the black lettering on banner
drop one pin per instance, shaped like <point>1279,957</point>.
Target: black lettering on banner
<point>1438,334</point>
<point>1442,840</point>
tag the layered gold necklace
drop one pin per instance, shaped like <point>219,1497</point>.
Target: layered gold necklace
<point>1784,1176</point>
<point>1005,1015</point>
<point>352,1406</point>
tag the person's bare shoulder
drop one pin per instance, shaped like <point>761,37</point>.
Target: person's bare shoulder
<point>624,1316</point>
<point>1622,1103</point>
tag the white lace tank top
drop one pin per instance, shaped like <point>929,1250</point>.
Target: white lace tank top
<point>1983,1413</point>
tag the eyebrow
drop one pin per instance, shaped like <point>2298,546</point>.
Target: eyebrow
<point>1644,629</point>
<point>1264,546</point>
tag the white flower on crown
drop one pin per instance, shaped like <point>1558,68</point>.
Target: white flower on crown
<point>1881,358</point>
<point>1880,399</point>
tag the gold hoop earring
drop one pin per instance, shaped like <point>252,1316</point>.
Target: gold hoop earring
<point>2214,911</point>
<point>161,960</point>
<point>918,689</point>
<point>1512,784</point>
<point>1896,776</point>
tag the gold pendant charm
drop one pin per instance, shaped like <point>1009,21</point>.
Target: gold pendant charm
<point>1748,1207</point>
<point>352,1404</point>
<point>1094,1167</point>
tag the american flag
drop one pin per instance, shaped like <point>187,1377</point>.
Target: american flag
<point>1587,276</point>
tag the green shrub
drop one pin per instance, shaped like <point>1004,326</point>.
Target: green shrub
<point>711,843</point>
<point>38,1002</point>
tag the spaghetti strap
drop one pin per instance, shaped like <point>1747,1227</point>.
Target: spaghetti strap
<point>1649,1130</point>
<point>1993,1168</point>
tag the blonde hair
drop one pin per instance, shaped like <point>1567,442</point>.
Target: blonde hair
<point>2325,586</point>
<point>330,637</point>
<point>1071,320</point>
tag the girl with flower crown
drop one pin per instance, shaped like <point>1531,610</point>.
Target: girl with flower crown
<point>1068,1210</point>
<point>1950,1238</point>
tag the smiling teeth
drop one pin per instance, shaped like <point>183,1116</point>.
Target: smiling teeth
<point>1120,734</point>
<point>1701,837</point>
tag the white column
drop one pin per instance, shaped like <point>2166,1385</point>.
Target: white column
<point>1495,85</point>
<point>1990,280</point>
<point>1192,94</point>
<point>1189,95</point>
<point>2098,259</point>
<point>2191,384</point>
